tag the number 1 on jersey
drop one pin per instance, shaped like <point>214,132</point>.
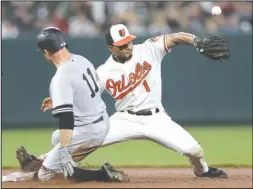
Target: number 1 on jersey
<point>146,85</point>
<point>93,93</point>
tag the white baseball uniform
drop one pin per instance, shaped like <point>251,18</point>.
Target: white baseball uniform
<point>137,85</point>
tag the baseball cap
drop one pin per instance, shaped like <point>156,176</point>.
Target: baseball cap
<point>118,35</point>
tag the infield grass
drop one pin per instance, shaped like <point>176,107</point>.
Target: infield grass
<point>223,146</point>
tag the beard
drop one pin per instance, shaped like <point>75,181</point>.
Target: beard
<point>121,59</point>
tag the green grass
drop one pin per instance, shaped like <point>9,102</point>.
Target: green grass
<point>227,146</point>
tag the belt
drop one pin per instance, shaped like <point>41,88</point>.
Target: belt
<point>98,120</point>
<point>94,122</point>
<point>142,112</point>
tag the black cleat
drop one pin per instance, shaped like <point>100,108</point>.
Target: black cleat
<point>24,158</point>
<point>214,172</point>
<point>113,174</point>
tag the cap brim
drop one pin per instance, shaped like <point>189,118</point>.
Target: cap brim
<point>125,40</point>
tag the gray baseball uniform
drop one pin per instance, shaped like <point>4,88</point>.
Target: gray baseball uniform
<point>74,88</point>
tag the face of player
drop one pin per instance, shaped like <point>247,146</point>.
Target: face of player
<point>123,52</point>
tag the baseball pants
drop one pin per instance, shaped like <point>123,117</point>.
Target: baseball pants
<point>159,128</point>
<point>85,140</point>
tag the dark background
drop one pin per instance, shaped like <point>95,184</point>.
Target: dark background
<point>196,90</point>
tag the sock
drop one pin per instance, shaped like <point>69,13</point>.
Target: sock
<point>81,174</point>
<point>196,158</point>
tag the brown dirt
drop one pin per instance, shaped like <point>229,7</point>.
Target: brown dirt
<point>152,178</point>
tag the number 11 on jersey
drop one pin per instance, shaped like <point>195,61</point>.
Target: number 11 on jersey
<point>93,92</point>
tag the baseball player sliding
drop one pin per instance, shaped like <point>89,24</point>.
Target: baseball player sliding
<point>77,104</point>
<point>132,76</point>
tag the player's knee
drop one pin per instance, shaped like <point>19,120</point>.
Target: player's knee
<point>45,174</point>
<point>55,137</point>
<point>195,151</point>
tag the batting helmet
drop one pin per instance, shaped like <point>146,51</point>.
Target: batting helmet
<point>51,39</point>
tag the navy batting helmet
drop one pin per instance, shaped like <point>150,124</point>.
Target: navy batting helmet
<point>51,39</point>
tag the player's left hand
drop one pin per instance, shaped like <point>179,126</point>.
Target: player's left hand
<point>47,104</point>
<point>67,161</point>
<point>214,47</point>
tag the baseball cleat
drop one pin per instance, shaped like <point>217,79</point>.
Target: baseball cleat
<point>113,174</point>
<point>23,157</point>
<point>214,172</point>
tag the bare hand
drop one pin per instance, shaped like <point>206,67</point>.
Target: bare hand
<point>46,104</point>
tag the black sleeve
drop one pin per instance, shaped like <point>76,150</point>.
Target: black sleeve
<point>66,120</point>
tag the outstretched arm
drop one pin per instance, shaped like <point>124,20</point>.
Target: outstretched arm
<point>214,47</point>
<point>171,40</point>
<point>61,92</point>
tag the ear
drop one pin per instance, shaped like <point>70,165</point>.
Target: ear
<point>49,54</point>
<point>45,52</point>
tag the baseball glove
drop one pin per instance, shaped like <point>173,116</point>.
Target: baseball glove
<point>213,47</point>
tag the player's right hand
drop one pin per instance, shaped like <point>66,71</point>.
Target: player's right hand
<point>67,161</point>
<point>46,104</point>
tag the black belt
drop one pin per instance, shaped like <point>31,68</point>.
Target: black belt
<point>142,112</point>
<point>98,120</point>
